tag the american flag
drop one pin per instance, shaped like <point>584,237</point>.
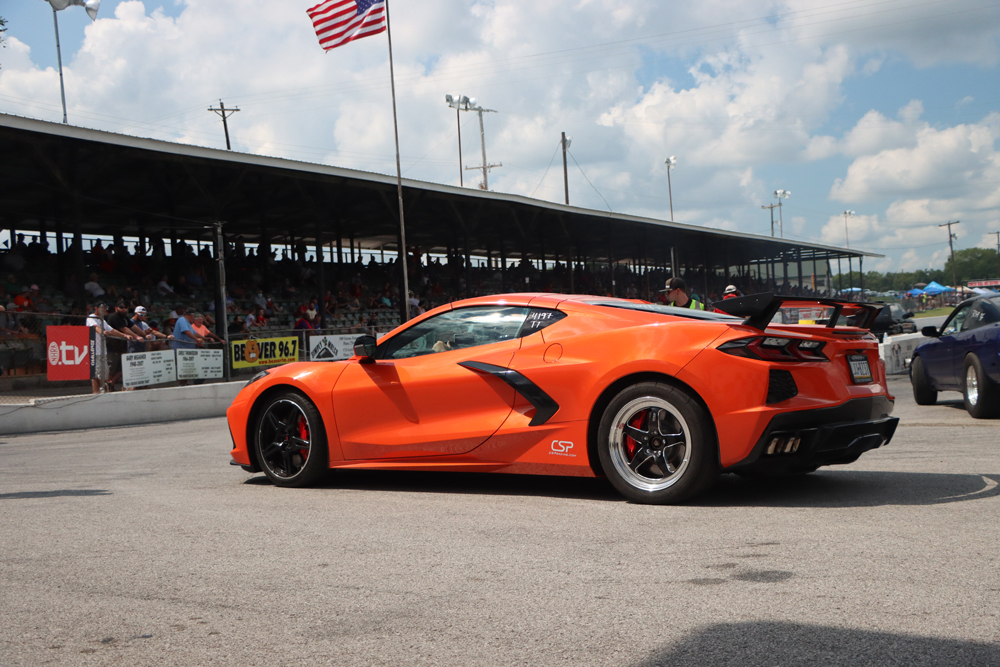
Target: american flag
<point>338,22</point>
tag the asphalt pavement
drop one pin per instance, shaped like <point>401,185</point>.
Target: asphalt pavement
<point>142,546</point>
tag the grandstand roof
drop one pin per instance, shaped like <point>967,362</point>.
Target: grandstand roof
<point>106,183</point>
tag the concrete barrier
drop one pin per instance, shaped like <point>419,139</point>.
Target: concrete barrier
<point>122,408</point>
<point>896,350</point>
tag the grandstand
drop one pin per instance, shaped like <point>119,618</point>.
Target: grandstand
<point>133,210</point>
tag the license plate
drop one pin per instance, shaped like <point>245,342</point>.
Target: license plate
<point>861,372</point>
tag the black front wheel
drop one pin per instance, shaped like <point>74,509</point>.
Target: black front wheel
<point>290,440</point>
<point>657,444</point>
<point>923,392</point>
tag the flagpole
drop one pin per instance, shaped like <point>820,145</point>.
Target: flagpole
<point>403,255</point>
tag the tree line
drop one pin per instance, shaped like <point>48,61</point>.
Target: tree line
<point>970,264</point>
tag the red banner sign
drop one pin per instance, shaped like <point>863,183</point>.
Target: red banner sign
<point>984,283</point>
<point>68,353</point>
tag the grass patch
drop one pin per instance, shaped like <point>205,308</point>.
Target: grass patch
<point>937,312</point>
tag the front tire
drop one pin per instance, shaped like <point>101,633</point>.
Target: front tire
<point>923,393</point>
<point>290,440</point>
<point>657,444</point>
<point>980,394</point>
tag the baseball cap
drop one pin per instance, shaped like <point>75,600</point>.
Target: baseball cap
<point>731,289</point>
<point>674,283</point>
<point>34,288</point>
<point>139,310</point>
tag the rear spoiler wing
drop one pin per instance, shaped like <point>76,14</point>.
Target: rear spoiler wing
<point>760,309</point>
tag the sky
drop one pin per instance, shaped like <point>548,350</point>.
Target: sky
<point>887,108</point>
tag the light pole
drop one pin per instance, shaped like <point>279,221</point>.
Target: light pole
<point>459,103</point>
<point>847,238</point>
<point>566,141</point>
<point>670,162</point>
<point>781,194</point>
<point>91,6</point>
<point>462,103</point>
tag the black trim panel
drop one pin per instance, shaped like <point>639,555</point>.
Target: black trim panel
<point>829,436</point>
<point>545,407</point>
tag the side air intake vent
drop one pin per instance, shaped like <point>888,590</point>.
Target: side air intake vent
<point>780,387</point>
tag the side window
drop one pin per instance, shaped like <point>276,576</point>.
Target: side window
<point>975,318</point>
<point>956,321</point>
<point>454,330</point>
<point>991,312</point>
<point>538,319</point>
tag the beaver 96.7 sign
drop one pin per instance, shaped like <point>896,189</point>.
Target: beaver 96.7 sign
<point>264,352</point>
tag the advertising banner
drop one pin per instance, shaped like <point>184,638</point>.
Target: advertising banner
<point>199,364</point>
<point>142,369</point>
<point>68,353</point>
<point>264,351</point>
<point>331,347</point>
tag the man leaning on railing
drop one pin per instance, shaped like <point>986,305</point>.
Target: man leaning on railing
<point>102,329</point>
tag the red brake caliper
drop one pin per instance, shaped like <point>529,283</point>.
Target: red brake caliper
<point>630,443</point>
<point>304,434</point>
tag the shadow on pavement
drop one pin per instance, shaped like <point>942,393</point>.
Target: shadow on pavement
<point>54,494</point>
<point>824,488</point>
<point>493,484</point>
<point>775,643</point>
<point>851,488</point>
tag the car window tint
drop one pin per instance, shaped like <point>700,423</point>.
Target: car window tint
<point>454,330</point>
<point>538,319</point>
<point>884,317</point>
<point>957,319</point>
<point>974,319</point>
<point>991,310</point>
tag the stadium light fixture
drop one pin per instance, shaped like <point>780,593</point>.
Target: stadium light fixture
<point>847,238</point>
<point>779,195</point>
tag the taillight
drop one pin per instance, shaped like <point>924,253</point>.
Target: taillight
<point>776,348</point>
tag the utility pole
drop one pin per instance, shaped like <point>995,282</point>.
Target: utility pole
<point>951,247</point>
<point>771,207</point>
<point>565,147</point>
<point>225,113</point>
<point>482,139</point>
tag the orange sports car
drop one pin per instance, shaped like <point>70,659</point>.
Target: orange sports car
<point>659,400</point>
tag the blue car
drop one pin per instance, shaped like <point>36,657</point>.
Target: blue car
<point>964,355</point>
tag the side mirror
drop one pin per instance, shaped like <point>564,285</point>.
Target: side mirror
<point>907,316</point>
<point>930,332</point>
<point>364,347</point>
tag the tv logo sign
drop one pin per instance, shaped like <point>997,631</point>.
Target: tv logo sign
<point>68,353</point>
<point>561,448</point>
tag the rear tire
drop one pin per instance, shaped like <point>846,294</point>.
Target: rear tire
<point>980,394</point>
<point>657,444</point>
<point>290,440</point>
<point>923,393</point>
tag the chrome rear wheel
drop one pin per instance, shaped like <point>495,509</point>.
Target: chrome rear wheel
<point>657,444</point>
<point>650,443</point>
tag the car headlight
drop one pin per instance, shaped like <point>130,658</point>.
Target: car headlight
<point>260,375</point>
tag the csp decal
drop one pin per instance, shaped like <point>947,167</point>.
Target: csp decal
<point>264,352</point>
